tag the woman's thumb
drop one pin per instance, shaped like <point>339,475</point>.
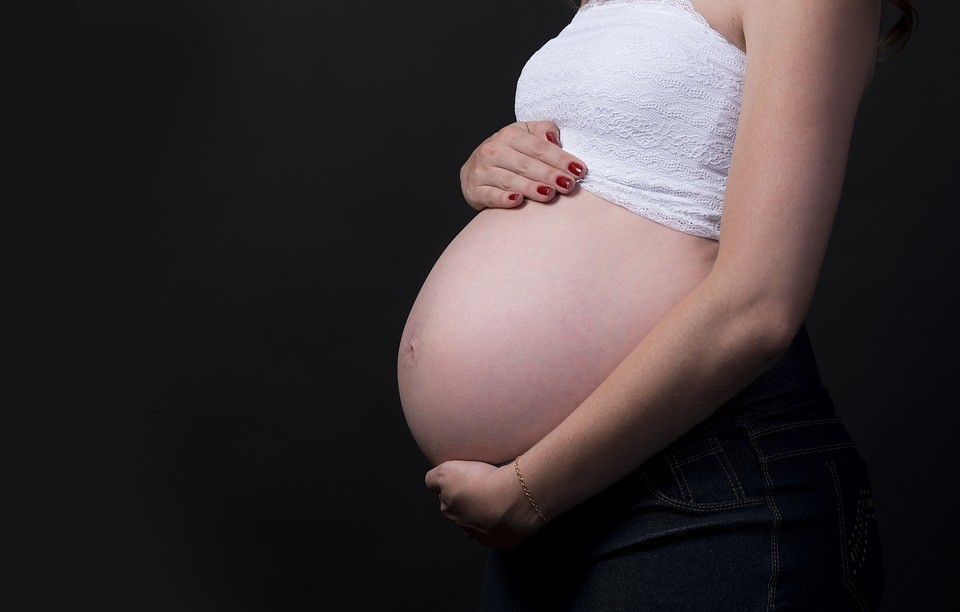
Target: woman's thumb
<point>548,130</point>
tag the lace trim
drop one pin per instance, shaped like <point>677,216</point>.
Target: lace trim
<point>683,4</point>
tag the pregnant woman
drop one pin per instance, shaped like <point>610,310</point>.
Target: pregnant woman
<point>608,366</point>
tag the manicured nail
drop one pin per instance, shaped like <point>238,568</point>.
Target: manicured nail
<point>575,169</point>
<point>515,196</point>
<point>564,182</point>
<point>544,190</point>
<point>552,138</point>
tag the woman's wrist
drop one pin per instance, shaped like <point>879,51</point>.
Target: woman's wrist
<point>517,509</point>
<point>526,490</point>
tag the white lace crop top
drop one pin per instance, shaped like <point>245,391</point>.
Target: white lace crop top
<point>648,94</point>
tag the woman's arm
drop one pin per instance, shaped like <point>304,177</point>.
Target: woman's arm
<point>808,65</point>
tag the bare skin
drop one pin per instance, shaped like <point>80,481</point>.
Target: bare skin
<point>526,312</point>
<point>807,67</point>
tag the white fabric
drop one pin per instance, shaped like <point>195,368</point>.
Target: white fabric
<point>648,94</point>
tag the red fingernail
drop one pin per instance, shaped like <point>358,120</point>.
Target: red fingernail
<point>514,196</point>
<point>575,168</point>
<point>544,190</point>
<point>552,138</point>
<point>564,182</point>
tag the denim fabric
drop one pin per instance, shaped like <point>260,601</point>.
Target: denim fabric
<point>765,505</point>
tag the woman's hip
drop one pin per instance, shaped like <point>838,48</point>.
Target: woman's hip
<point>765,505</point>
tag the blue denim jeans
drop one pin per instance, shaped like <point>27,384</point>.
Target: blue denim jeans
<point>765,505</point>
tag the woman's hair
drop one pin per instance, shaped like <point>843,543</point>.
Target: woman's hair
<point>899,33</point>
<point>889,43</point>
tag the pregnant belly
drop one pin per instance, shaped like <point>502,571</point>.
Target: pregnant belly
<point>526,312</point>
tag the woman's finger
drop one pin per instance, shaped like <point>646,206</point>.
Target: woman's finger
<point>432,479</point>
<point>520,167</point>
<point>541,149</point>
<point>512,182</point>
<point>546,130</point>
<point>494,197</point>
<point>472,533</point>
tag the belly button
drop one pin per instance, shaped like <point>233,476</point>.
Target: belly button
<point>410,349</point>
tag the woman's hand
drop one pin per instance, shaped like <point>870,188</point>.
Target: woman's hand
<point>485,501</point>
<point>522,160</point>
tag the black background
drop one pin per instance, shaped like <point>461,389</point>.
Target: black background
<point>269,184</point>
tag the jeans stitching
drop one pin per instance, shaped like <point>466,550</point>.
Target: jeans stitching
<point>718,454</point>
<point>777,518</point>
<point>699,455</point>
<point>843,535</point>
<point>701,506</point>
<point>756,415</point>
<point>807,451</point>
<point>774,428</point>
<point>679,478</point>
<point>729,470</point>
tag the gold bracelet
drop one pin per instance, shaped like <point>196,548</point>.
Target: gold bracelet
<point>526,491</point>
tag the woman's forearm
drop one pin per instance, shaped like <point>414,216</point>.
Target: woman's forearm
<point>708,347</point>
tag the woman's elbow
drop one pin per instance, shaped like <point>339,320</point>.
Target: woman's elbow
<point>774,323</point>
<point>759,318</point>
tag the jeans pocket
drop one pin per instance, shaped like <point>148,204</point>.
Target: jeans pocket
<point>698,474</point>
<point>861,562</point>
